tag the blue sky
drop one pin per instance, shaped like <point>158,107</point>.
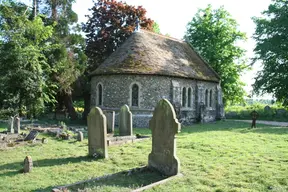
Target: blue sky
<point>173,16</point>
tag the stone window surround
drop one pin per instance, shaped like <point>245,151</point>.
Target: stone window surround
<point>139,94</point>
<point>186,97</point>
<point>97,94</point>
<point>209,99</point>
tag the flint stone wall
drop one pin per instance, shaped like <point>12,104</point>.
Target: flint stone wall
<point>116,93</point>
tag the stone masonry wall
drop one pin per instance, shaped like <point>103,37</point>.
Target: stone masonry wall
<point>117,92</point>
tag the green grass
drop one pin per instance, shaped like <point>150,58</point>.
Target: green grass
<point>223,156</point>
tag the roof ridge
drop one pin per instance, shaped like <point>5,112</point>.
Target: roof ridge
<point>167,37</point>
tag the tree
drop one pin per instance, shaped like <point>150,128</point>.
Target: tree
<point>214,34</point>
<point>109,25</point>
<point>23,66</point>
<point>271,49</point>
<point>156,28</point>
<point>67,60</point>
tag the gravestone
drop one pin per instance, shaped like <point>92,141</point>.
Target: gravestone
<point>10,125</point>
<point>125,121</point>
<point>16,124</point>
<point>80,136</point>
<point>31,136</point>
<point>164,126</point>
<point>97,133</point>
<point>267,108</point>
<point>110,118</point>
<point>28,164</point>
<point>44,140</point>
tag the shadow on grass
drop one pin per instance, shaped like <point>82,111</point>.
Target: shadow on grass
<point>11,167</point>
<point>241,127</point>
<point>124,180</point>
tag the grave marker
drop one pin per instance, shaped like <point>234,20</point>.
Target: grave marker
<point>164,126</point>
<point>110,118</point>
<point>80,136</point>
<point>97,133</point>
<point>31,136</point>
<point>28,164</point>
<point>16,125</point>
<point>125,121</point>
<point>10,125</point>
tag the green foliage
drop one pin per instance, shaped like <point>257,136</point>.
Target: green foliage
<point>243,112</point>
<point>214,34</point>
<point>109,25</point>
<point>272,50</point>
<point>24,70</point>
<point>156,28</point>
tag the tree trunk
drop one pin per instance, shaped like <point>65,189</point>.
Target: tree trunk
<point>67,97</point>
<point>54,9</point>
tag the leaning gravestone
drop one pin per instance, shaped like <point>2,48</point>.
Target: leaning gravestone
<point>110,118</point>
<point>125,121</point>
<point>28,164</point>
<point>164,126</point>
<point>16,124</point>
<point>31,136</point>
<point>10,125</point>
<point>97,130</point>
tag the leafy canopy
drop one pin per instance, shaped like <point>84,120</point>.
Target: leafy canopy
<point>271,49</point>
<point>108,26</point>
<point>24,70</point>
<point>214,34</point>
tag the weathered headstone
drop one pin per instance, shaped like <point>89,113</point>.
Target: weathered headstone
<point>267,108</point>
<point>31,136</point>
<point>10,125</point>
<point>80,136</point>
<point>16,124</point>
<point>110,118</point>
<point>44,140</point>
<point>28,164</point>
<point>125,121</point>
<point>164,126</point>
<point>97,133</point>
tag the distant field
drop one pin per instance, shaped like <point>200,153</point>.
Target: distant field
<point>222,156</point>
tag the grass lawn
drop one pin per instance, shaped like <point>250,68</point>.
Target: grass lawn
<point>223,156</point>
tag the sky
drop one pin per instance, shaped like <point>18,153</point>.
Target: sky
<point>173,16</point>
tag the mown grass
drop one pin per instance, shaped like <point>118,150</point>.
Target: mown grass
<point>222,156</point>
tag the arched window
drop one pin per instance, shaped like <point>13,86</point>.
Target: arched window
<point>210,100</point>
<point>135,95</point>
<point>184,97</point>
<point>100,95</point>
<point>189,97</point>
<point>206,97</point>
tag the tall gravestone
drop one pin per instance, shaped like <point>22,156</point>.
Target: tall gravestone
<point>16,124</point>
<point>125,121</point>
<point>28,164</point>
<point>97,130</point>
<point>110,118</point>
<point>164,126</point>
<point>11,125</point>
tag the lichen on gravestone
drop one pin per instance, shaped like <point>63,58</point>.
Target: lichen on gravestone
<point>97,133</point>
<point>28,164</point>
<point>164,125</point>
<point>125,121</point>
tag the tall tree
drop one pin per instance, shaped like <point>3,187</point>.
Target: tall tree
<point>271,49</point>
<point>109,25</point>
<point>24,71</point>
<point>214,34</point>
<point>68,60</point>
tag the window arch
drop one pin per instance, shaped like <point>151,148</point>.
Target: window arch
<point>184,97</point>
<point>189,97</point>
<point>135,95</point>
<point>100,94</point>
<point>210,98</point>
<point>206,97</point>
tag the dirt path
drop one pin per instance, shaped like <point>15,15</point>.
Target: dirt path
<point>275,123</point>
